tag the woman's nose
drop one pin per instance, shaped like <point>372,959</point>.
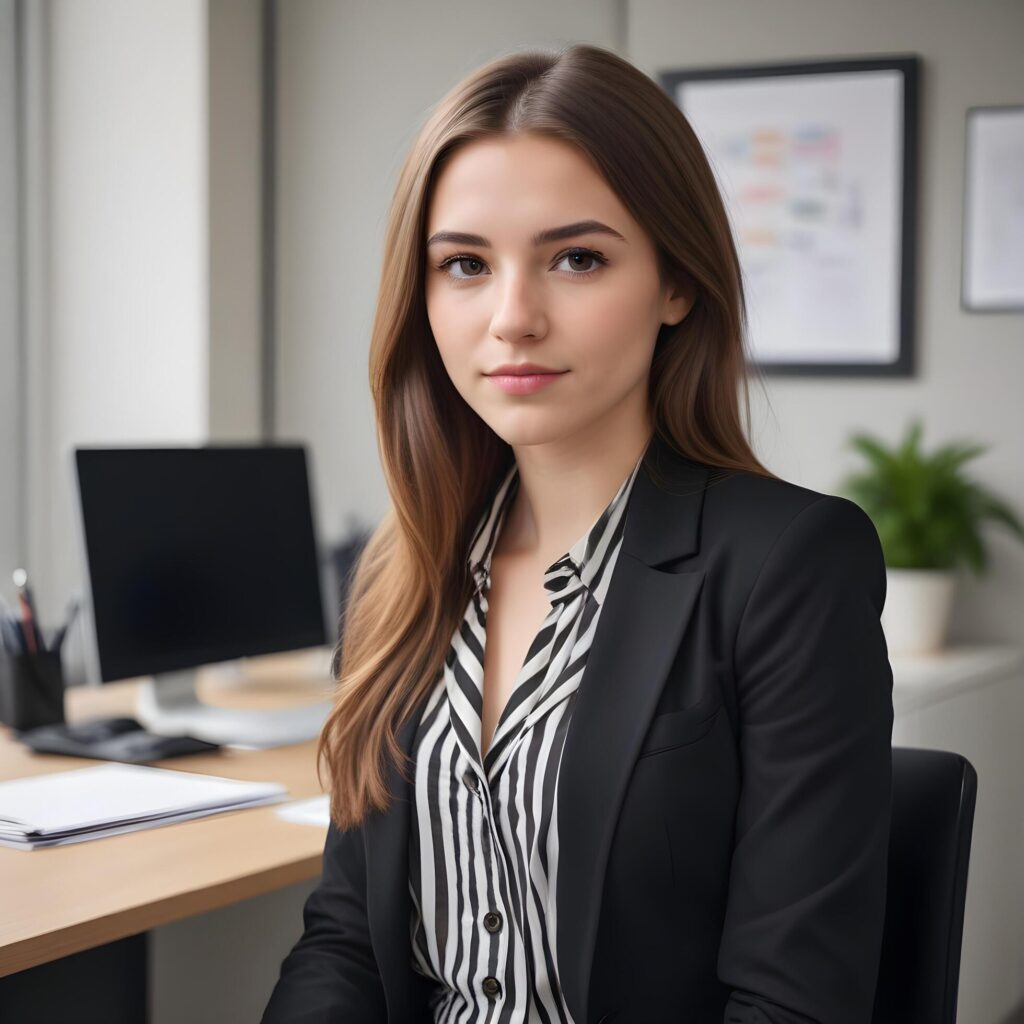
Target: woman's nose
<point>519,309</point>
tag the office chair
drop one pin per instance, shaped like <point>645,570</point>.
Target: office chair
<point>933,802</point>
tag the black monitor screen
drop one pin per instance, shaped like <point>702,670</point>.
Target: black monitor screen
<point>198,555</point>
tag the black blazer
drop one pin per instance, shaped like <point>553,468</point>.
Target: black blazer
<point>724,792</point>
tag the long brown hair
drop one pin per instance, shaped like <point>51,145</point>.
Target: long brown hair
<point>411,584</point>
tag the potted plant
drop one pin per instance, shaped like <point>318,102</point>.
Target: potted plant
<point>928,515</point>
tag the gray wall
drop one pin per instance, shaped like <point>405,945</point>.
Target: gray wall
<point>970,366</point>
<point>11,411</point>
<point>234,133</point>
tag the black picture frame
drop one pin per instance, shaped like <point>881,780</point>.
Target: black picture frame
<point>902,289</point>
<point>968,271</point>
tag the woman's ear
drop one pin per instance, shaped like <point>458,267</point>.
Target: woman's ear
<point>678,301</point>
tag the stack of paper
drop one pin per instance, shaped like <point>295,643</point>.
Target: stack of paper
<point>108,799</point>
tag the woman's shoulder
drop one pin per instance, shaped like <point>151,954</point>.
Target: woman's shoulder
<point>750,511</point>
<point>808,544</point>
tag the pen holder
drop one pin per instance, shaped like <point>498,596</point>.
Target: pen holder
<point>31,689</point>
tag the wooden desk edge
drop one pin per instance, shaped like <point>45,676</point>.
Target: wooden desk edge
<point>40,949</point>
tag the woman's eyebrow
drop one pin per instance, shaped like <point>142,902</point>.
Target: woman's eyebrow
<point>583,227</point>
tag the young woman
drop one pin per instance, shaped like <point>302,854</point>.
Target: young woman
<point>613,721</point>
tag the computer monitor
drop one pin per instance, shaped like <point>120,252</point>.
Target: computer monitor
<point>194,556</point>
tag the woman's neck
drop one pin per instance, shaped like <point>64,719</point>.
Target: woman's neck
<point>562,489</point>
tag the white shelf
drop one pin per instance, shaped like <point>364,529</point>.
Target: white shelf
<point>922,680</point>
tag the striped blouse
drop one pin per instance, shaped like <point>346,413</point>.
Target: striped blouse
<point>483,846</point>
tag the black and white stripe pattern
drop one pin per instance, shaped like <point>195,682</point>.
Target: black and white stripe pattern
<point>483,855</point>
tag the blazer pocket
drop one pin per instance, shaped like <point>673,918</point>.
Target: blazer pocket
<point>678,728</point>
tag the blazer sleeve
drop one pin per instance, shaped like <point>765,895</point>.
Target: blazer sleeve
<point>802,933</point>
<point>331,974</point>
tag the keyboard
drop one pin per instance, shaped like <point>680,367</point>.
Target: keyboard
<point>117,738</point>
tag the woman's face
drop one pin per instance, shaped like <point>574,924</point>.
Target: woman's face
<point>587,303</point>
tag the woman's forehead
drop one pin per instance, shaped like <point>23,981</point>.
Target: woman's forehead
<point>520,187</point>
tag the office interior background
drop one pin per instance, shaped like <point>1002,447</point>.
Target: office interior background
<point>194,192</point>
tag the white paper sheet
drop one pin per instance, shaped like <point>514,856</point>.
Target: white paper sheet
<point>73,805</point>
<point>314,811</point>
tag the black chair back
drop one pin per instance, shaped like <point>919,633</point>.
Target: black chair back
<point>934,793</point>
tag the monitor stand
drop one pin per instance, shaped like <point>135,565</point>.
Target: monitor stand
<point>169,705</point>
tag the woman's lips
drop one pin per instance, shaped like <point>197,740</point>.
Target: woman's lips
<point>524,384</point>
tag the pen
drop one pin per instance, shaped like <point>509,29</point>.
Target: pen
<point>33,639</point>
<point>10,633</point>
<point>27,630</point>
<point>69,617</point>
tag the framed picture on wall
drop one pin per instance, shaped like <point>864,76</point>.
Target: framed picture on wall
<point>817,164</point>
<point>992,279</point>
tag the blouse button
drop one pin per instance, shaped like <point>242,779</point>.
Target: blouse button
<point>491,985</point>
<point>470,779</point>
<point>492,921</point>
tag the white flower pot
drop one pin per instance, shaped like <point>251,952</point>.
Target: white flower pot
<point>917,609</point>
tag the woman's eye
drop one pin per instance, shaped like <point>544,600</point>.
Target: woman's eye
<point>456,261</point>
<point>581,254</point>
<point>474,265</point>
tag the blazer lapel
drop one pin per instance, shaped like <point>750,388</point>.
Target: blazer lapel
<point>638,634</point>
<point>639,631</point>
